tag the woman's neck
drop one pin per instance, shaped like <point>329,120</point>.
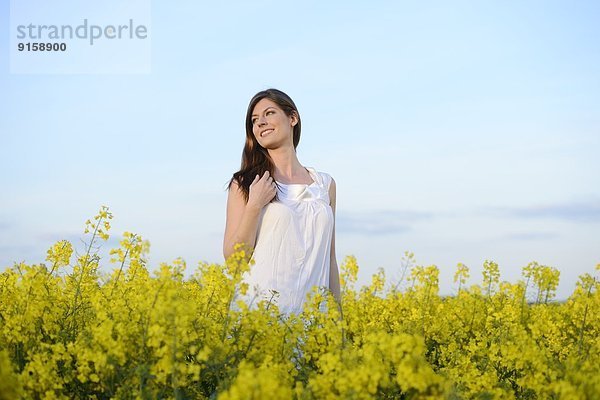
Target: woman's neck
<point>287,166</point>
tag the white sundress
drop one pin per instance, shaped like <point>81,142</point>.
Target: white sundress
<point>293,245</point>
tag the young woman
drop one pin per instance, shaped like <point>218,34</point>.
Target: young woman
<point>283,211</point>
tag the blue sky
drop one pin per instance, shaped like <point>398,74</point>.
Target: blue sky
<point>460,131</point>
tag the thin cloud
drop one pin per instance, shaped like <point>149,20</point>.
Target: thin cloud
<point>531,236</point>
<point>10,254</point>
<point>53,237</point>
<point>381,222</point>
<point>574,211</point>
<point>76,239</point>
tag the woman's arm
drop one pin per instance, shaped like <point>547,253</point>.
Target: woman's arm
<point>334,276</point>
<point>242,222</point>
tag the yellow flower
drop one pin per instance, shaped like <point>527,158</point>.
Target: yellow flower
<point>141,332</point>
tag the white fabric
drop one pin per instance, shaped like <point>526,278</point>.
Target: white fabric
<point>293,245</point>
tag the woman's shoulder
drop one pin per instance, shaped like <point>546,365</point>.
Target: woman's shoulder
<point>324,176</point>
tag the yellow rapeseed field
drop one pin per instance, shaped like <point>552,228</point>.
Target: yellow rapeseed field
<point>68,330</point>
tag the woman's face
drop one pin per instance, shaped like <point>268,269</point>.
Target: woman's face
<point>270,125</point>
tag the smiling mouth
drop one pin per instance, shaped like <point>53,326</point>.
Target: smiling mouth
<point>266,132</point>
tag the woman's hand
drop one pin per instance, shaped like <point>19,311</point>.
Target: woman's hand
<point>262,191</point>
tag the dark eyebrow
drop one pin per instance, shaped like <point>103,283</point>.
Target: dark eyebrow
<point>254,115</point>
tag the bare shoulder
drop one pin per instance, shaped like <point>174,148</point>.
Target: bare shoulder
<point>235,194</point>
<point>234,185</point>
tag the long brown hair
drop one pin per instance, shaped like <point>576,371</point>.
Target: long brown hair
<point>255,158</point>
